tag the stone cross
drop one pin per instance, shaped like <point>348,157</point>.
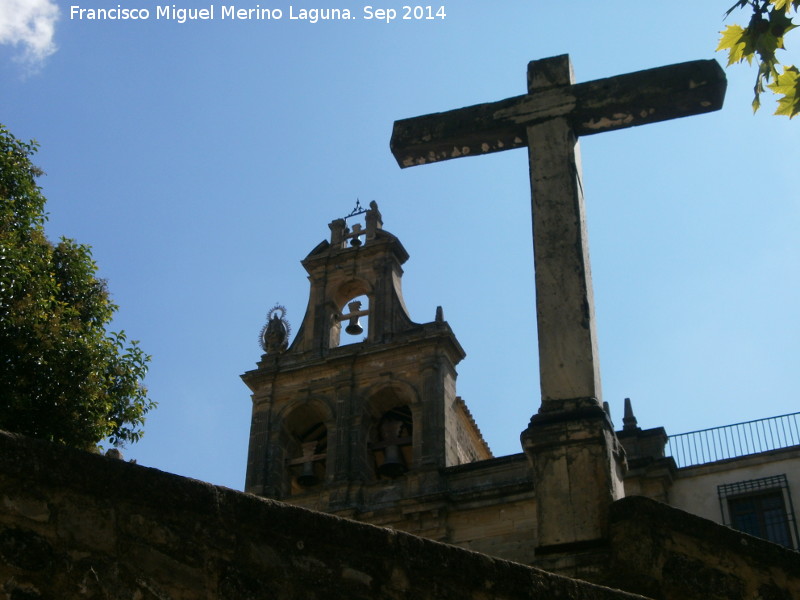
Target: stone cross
<point>548,120</point>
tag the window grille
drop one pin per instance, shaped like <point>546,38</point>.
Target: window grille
<point>761,507</point>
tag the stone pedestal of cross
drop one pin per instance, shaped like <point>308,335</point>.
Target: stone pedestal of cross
<point>577,460</point>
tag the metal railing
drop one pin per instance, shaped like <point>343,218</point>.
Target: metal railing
<point>732,441</point>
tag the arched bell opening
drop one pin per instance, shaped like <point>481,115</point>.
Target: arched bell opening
<point>355,321</point>
<point>307,449</point>
<point>356,236</point>
<point>350,322</point>
<point>392,445</point>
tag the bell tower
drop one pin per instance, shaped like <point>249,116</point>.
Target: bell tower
<point>343,427</point>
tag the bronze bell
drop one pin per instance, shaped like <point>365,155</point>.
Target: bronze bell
<point>354,327</point>
<point>308,478</point>
<point>393,463</point>
<point>355,241</point>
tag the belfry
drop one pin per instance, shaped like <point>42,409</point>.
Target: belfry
<point>352,428</point>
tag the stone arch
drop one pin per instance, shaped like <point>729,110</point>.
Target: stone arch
<point>394,432</point>
<point>352,290</point>
<point>305,430</point>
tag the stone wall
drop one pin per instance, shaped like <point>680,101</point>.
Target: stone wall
<point>668,554</point>
<point>77,525</point>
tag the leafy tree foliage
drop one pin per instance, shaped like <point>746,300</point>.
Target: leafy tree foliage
<point>761,39</point>
<point>62,376</point>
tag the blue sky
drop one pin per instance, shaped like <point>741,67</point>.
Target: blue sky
<point>202,161</point>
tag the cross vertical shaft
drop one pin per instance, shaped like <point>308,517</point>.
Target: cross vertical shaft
<point>568,357</point>
<point>570,442</point>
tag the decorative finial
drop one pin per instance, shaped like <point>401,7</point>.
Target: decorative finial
<point>274,337</point>
<point>629,422</point>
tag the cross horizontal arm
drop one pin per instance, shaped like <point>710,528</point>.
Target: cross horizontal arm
<point>628,100</point>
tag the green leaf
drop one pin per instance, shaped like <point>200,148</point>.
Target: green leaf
<point>780,25</point>
<point>787,85</point>
<point>766,44</point>
<point>760,40</point>
<point>734,39</point>
<point>784,5</point>
<point>739,4</point>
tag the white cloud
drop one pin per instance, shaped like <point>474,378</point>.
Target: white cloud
<point>29,24</point>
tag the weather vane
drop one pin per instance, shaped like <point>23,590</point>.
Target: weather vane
<point>358,210</point>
